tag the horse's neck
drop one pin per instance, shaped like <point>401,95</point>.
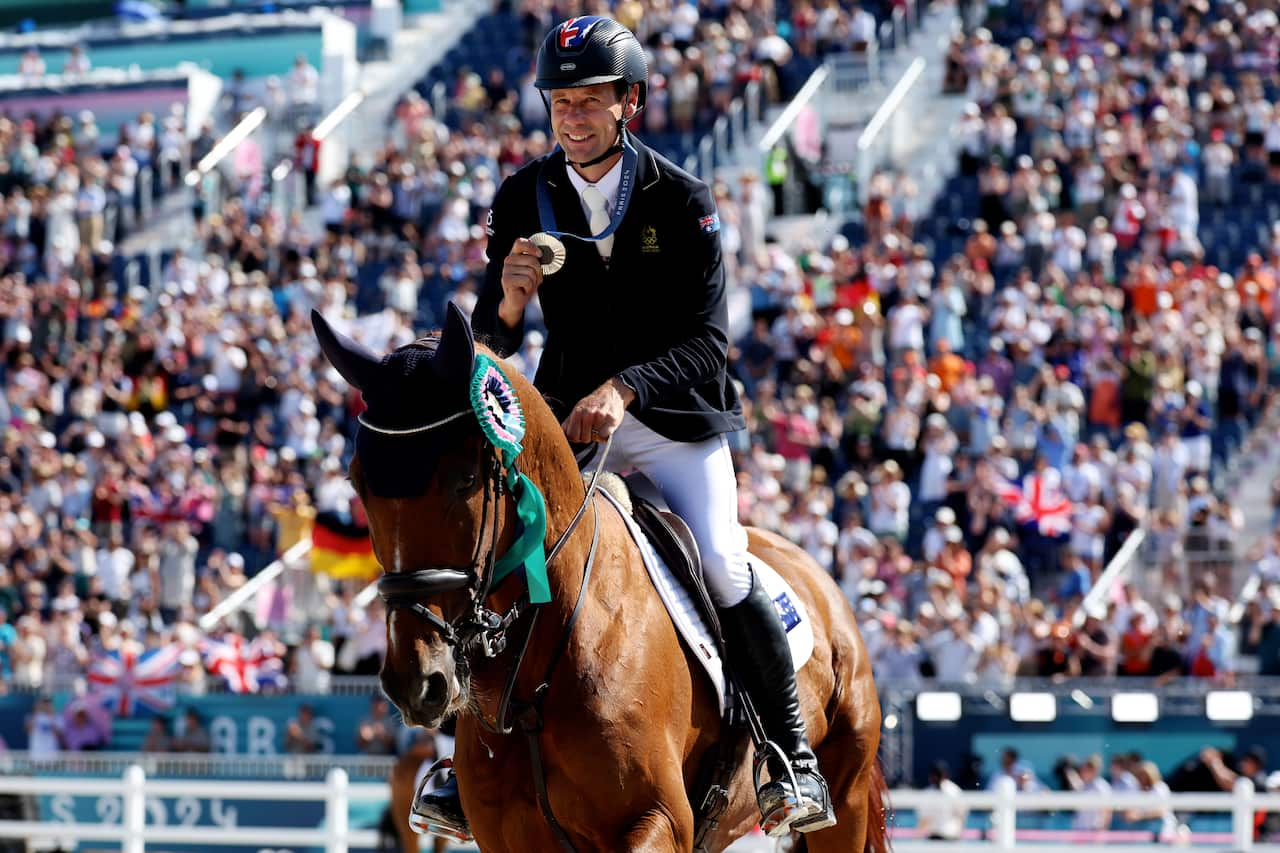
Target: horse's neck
<point>548,461</point>
<point>552,468</point>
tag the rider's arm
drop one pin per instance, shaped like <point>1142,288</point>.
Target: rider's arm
<point>502,235</point>
<point>704,348</point>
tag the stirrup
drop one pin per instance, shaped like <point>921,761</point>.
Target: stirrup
<point>438,822</point>
<point>823,816</point>
<point>790,807</point>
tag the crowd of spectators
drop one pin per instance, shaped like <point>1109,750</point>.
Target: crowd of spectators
<point>68,192</point>
<point>700,57</point>
<point>967,437</point>
<point>962,439</point>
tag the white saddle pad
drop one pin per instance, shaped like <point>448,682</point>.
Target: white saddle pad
<point>690,626</point>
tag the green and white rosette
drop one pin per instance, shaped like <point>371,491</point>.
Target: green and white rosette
<point>497,407</point>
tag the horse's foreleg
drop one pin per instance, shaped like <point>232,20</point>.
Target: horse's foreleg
<point>660,831</point>
<point>401,800</point>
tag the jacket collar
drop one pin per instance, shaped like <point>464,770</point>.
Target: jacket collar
<point>647,172</point>
<point>568,210</point>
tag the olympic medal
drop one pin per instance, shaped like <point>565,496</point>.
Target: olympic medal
<point>552,252</point>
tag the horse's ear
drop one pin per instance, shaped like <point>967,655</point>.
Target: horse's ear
<point>456,353</point>
<point>357,364</point>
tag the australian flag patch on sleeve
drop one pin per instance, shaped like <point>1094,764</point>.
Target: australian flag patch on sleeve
<point>710,223</point>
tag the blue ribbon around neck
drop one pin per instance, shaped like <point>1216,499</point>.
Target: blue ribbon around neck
<point>547,216</point>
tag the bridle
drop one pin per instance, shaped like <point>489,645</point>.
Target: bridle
<point>479,627</point>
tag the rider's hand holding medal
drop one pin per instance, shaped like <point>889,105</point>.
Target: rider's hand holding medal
<point>522,271</point>
<point>551,252</point>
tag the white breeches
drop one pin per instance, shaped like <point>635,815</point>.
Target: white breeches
<point>698,482</point>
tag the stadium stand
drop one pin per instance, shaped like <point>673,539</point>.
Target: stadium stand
<point>961,414</point>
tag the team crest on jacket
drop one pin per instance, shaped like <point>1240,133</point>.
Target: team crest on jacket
<point>649,239</point>
<point>710,223</point>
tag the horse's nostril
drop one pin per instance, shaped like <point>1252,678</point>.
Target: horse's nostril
<point>436,691</point>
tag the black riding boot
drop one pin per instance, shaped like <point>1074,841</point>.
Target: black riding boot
<point>760,658</point>
<point>439,812</point>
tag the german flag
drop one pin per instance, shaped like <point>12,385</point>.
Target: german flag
<point>341,548</point>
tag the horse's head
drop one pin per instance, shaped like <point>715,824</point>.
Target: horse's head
<point>427,477</point>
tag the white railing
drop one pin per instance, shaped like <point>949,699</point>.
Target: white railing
<point>227,144</point>
<point>783,122</point>
<point>241,597</point>
<point>199,765</point>
<point>1006,802</point>
<point>135,790</point>
<point>1120,565</point>
<point>335,152</point>
<point>136,794</point>
<point>885,134</point>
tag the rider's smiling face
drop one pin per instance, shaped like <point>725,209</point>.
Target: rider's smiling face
<point>585,119</point>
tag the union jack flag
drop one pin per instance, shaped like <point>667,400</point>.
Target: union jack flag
<point>127,678</point>
<point>247,667</point>
<point>1039,501</point>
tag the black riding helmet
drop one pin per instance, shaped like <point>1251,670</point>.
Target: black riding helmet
<point>589,50</point>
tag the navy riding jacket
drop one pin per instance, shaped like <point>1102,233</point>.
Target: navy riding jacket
<point>656,317</point>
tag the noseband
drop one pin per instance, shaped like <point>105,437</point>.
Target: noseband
<point>477,626</point>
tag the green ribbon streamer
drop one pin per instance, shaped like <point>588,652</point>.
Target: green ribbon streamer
<point>504,427</point>
<point>528,549</point>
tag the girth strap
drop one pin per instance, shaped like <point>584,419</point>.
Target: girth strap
<point>529,715</point>
<point>531,725</point>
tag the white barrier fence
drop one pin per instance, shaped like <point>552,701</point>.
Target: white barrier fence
<point>130,827</point>
<point>1006,803</point>
<point>135,790</point>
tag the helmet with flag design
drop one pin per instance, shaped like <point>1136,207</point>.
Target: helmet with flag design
<point>589,50</point>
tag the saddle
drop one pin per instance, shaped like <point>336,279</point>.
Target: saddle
<point>674,542</point>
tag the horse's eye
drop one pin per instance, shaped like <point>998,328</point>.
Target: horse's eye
<point>467,481</point>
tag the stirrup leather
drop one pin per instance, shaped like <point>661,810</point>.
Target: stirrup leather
<point>447,822</point>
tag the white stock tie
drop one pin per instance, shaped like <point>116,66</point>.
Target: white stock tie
<point>599,219</point>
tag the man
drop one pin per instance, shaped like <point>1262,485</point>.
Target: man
<point>1010,767</point>
<point>300,735</point>
<point>376,734</point>
<point>637,341</point>
<point>194,736</point>
<point>944,821</point>
<point>1088,778</point>
<point>1251,765</point>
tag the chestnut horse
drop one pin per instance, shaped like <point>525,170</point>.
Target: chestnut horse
<point>626,714</point>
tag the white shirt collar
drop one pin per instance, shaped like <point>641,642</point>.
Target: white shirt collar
<point>608,186</point>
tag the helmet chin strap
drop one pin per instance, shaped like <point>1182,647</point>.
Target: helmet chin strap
<point>615,148</point>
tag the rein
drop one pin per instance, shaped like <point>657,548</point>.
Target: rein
<point>478,626</point>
